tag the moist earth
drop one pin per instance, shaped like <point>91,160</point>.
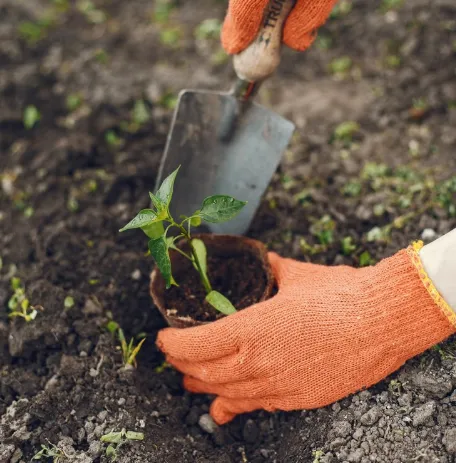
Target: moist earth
<point>371,168</point>
<point>241,279</point>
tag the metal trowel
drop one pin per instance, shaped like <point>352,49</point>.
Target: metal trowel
<point>224,142</point>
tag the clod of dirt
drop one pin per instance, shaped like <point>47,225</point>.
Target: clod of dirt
<point>436,387</point>
<point>370,417</point>
<point>424,414</point>
<point>449,440</point>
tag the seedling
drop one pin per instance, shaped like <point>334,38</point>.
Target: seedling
<point>73,102</point>
<point>341,66</point>
<point>209,29</point>
<point>129,351</point>
<point>215,209</point>
<point>341,9</point>
<point>317,454</point>
<point>116,438</point>
<point>51,451</point>
<point>345,131</point>
<point>68,303</point>
<point>365,259</point>
<point>19,305</point>
<point>347,245</point>
<point>92,14</point>
<point>31,117</point>
<point>323,230</point>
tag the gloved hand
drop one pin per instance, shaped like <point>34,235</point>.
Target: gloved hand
<point>244,18</point>
<point>329,332</point>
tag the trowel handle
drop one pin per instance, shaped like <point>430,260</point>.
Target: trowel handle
<point>262,57</point>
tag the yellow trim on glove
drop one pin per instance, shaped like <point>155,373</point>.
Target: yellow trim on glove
<point>413,252</point>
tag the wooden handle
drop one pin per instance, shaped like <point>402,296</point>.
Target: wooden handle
<point>262,57</point>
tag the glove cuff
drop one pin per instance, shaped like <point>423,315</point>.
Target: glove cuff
<point>413,252</point>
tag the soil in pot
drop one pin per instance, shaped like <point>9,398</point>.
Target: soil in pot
<point>237,267</point>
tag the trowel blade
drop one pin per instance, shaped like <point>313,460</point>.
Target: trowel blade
<point>241,167</point>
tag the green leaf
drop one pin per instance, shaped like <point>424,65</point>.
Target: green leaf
<point>154,230</point>
<point>131,435</point>
<point>220,208</point>
<point>201,252</point>
<point>157,202</point>
<point>159,250</point>
<point>112,437</point>
<point>111,452</point>
<point>165,192</point>
<point>68,302</point>
<point>141,113</point>
<point>132,357</point>
<point>31,117</point>
<point>144,218</point>
<point>112,326</point>
<point>15,283</point>
<point>220,303</point>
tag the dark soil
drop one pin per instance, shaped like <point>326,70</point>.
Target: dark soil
<point>340,197</point>
<point>241,279</point>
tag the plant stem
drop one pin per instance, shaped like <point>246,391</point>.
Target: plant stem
<point>203,276</point>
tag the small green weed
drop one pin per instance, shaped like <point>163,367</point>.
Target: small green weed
<point>317,454</point>
<point>365,259</point>
<point>129,350</point>
<point>170,37</point>
<point>345,131</point>
<point>168,100</point>
<point>92,14</point>
<point>388,5</point>
<point>73,101</point>
<point>352,188</point>
<point>347,246</point>
<point>209,29</point>
<point>341,8</point>
<point>323,230</point>
<point>341,66</point>
<point>116,439</point>
<point>31,117</point>
<point>50,451</point>
<point>19,305</point>
<point>114,140</point>
<point>68,303</point>
<point>163,10</point>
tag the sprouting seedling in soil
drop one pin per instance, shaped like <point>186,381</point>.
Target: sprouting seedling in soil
<point>19,305</point>
<point>129,350</point>
<point>215,209</point>
<point>51,451</point>
<point>116,438</point>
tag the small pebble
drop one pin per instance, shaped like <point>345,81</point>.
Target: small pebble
<point>102,415</point>
<point>207,424</point>
<point>428,234</point>
<point>121,401</point>
<point>136,275</point>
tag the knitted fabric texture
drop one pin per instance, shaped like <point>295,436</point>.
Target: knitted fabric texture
<point>329,332</point>
<point>244,18</point>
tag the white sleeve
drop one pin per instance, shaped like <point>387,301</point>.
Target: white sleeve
<point>439,261</point>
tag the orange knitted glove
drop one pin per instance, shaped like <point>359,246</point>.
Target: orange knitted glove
<point>329,332</point>
<point>244,18</point>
